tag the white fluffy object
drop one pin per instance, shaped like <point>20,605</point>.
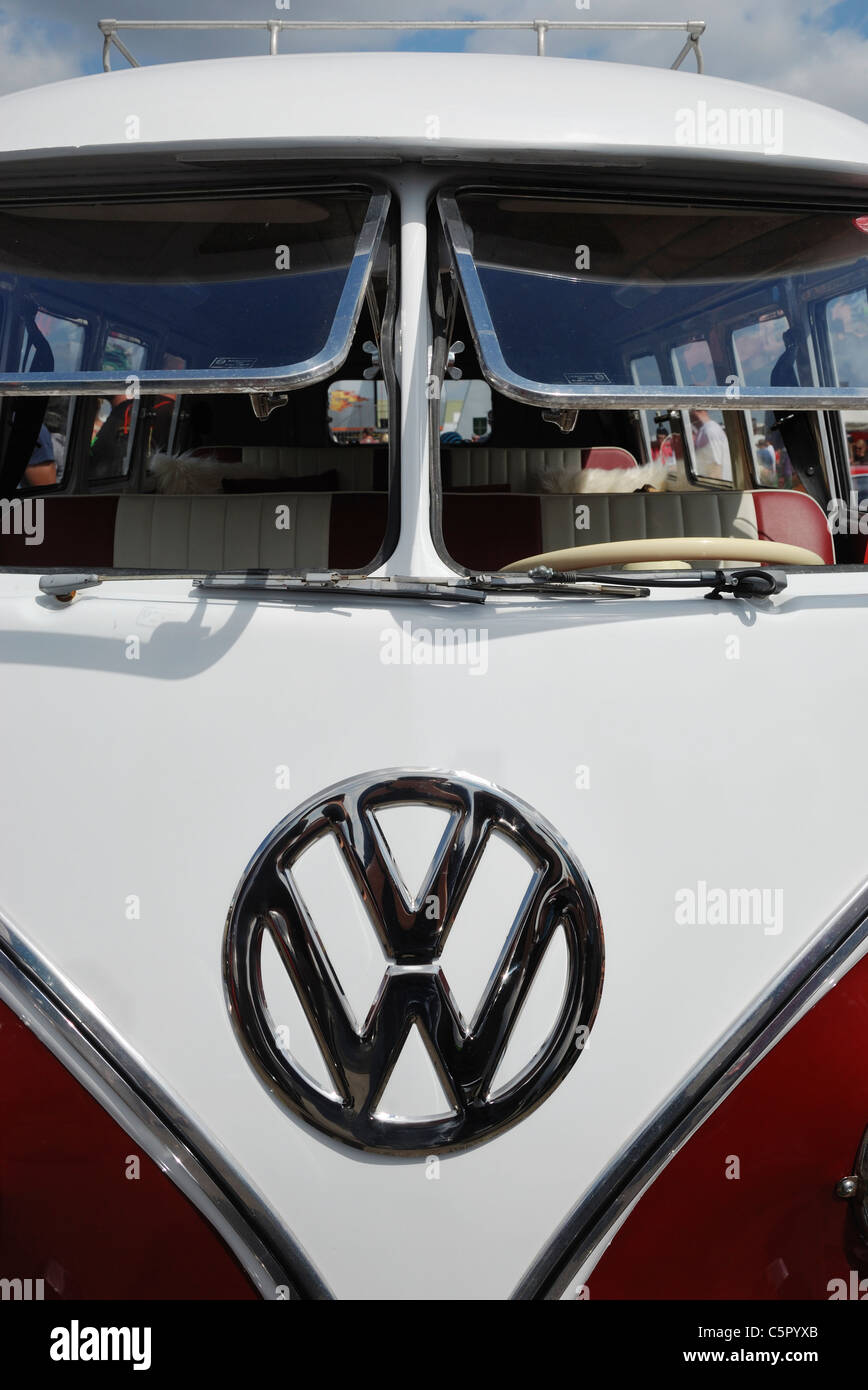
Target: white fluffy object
<point>184,475</point>
<point>580,480</point>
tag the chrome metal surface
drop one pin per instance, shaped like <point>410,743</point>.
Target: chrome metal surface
<point>265,403</point>
<point>845,1188</point>
<point>564,397</point>
<point>84,1041</point>
<point>466,1054</point>
<point>110,28</point>
<point>835,948</point>
<point>274,379</point>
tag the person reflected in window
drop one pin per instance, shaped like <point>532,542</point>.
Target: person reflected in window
<point>766,462</point>
<point>712,458</point>
<point>111,444</point>
<point>662,449</point>
<point>860,452</point>
<point>41,471</point>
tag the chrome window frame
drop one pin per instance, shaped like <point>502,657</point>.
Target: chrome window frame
<point>566,396</point>
<point>287,377</point>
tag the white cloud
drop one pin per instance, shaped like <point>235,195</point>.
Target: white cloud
<point>770,43</point>
<point>29,56</point>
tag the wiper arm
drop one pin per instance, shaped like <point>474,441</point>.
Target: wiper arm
<point>741,583</point>
<point>64,586</point>
<point>546,581</point>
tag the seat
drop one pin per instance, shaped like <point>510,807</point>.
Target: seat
<point>282,531</point>
<point>608,458</point>
<point>523,470</point>
<point>482,532</point>
<point>77,532</point>
<point>796,518</point>
<point>341,531</point>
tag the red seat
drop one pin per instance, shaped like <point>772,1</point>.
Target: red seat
<point>605,457</point>
<point>796,519</point>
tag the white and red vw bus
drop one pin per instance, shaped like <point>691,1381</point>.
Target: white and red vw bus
<point>434,851</point>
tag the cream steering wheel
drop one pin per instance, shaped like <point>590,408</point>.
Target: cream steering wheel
<point>610,553</point>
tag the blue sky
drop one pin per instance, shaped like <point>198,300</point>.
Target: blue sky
<point>812,48</point>
<point>851,14</point>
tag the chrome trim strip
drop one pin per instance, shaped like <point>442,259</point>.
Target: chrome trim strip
<point>635,1166</point>
<point>606,397</point>
<point>86,1044</point>
<point>314,369</point>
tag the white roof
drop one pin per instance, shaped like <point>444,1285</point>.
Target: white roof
<point>417,104</point>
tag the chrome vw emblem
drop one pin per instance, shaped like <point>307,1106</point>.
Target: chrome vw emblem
<point>414,991</point>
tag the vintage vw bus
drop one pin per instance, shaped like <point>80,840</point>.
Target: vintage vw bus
<point>434,850</point>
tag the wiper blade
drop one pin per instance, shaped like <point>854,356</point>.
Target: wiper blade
<point>363,586</point>
<point>742,583</point>
<point>64,586</point>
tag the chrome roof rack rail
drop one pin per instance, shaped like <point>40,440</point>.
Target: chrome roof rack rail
<point>110,28</point>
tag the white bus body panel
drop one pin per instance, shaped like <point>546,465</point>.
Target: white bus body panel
<point>419,104</point>
<point>153,780</point>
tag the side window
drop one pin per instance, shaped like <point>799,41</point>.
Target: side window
<point>847,327</point>
<point>466,413</point>
<point>660,442</point>
<point>358,412</point>
<point>847,324</point>
<point>115,417</point>
<point>764,355</point>
<point>66,338</point>
<point>856,430</point>
<point>704,430</point>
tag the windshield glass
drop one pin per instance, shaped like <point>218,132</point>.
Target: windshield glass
<point>689,321</point>
<point>561,292</point>
<point>216,473</point>
<point>254,287</point>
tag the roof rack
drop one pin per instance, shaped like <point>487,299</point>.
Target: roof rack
<point>110,28</point>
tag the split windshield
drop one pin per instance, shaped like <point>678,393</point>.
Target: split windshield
<point>561,291</point>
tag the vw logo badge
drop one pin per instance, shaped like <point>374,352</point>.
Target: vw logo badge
<point>415,990</point>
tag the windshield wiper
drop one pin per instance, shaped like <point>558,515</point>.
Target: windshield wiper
<point>742,583</point>
<point>64,586</point>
